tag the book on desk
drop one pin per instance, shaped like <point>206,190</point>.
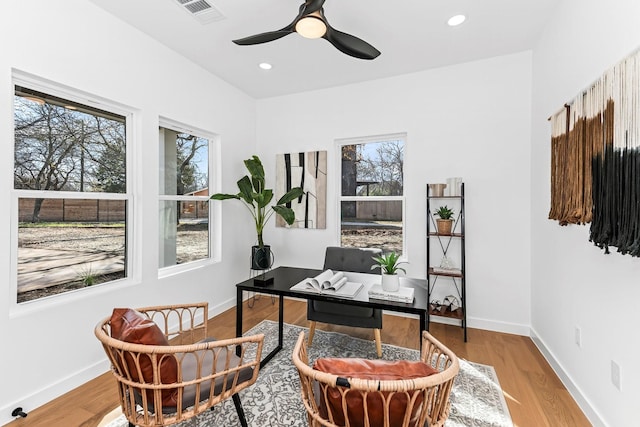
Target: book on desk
<point>329,283</point>
<point>403,294</point>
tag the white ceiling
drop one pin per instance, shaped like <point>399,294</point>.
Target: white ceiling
<point>411,34</point>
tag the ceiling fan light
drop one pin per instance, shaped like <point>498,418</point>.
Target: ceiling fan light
<point>311,27</point>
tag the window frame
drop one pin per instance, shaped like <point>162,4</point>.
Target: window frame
<point>214,178</point>
<point>77,96</point>
<point>341,142</point>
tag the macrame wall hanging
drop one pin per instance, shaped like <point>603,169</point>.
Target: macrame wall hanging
<point>595,159</point>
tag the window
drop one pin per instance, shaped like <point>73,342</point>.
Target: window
<point>184,195</point>
<point>372,196</point>
<point>70,187</point>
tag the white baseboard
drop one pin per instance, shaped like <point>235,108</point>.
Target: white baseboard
<point>498,326</point>
<point>53,391</point>
<point>472,322</point>
<point>488,325</point>
<point>566,379</point>
<point>222,307</point>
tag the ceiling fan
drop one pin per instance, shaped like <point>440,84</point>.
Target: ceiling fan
<point>311,23</point>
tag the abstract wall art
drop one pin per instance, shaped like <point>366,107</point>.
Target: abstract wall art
<point>309,171</point>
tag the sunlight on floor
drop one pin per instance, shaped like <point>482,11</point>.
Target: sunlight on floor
<point>117,412</point>
<point>482,399</point>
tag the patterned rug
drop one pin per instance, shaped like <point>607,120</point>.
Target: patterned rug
<point>274,400</point>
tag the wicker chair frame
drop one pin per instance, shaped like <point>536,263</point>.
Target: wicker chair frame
<point>184,326</point>
<point>429,395</point>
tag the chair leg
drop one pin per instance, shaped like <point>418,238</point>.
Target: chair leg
<point>239,410</point>
<point>312,330</point>
<point>376,332</point>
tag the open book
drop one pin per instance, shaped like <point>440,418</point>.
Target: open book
<point>330,283</point>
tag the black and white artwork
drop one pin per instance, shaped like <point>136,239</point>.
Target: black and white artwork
<point>308,171</point>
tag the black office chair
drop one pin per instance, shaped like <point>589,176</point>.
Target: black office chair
<point>354,260</point>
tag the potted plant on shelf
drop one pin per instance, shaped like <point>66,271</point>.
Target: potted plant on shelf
<point>257,198</point>
<point>446,219</point>
<point>389,266</point>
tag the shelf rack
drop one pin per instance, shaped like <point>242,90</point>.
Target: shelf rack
<point>441,242</point>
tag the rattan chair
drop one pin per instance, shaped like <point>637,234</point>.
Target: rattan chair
<point>336,401</point>
<point>212,370</point>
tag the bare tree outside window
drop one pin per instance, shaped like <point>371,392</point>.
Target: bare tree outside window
<point>63,147</point>
<point>372,194</point>
<point>380,163</point>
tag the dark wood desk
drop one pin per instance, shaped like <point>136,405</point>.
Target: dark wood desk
<point>285,277</point>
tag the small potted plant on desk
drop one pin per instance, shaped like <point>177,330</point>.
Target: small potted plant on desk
<point>389,266</point>
<point>257,199</point>
<point>446,219</point>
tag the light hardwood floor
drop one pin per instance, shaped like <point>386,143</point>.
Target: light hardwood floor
<point>533,392</point>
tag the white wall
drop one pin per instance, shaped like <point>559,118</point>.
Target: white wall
<point>470,120</point>
<point>573,283</point>
<point>50,348</point>
<point>478,120</point>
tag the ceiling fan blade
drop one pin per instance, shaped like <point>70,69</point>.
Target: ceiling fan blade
<point>263,37</point>
<point>350,45</point>
<point>311,6</point>
<point>272,35</point>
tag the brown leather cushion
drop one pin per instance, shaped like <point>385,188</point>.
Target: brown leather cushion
<point>371,370</point>
<point>131,326</point>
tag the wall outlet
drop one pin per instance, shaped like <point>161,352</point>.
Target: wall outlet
<point>578,337</point>
<point>615,374</point>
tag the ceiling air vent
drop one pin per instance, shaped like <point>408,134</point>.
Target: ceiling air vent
<point>202,10</point>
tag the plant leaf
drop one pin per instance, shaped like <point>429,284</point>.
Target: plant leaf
<point>244,184</point>
<point>286,213</point>
<point>254,166</point>
<point>292,194</point>
<point>221,196</point>
<point>444,212</point>
<point>263,198</point>
<point>379,260</point>
<point>258,184</point>
<point>388,263</point>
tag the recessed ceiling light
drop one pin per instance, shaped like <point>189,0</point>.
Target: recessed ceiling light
<point>265,66</point>
<point>456,20</point>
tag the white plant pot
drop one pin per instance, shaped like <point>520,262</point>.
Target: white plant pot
<point>390,282</point>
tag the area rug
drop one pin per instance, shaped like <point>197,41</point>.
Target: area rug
<point>274,400</point>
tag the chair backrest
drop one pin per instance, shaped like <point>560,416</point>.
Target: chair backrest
<point>418,401</point>
<point>356,260</point>
<point>205,371</point>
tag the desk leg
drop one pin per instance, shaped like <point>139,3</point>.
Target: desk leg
<point>280,321</point>
<point>275,351</point>
<point>238,318</point>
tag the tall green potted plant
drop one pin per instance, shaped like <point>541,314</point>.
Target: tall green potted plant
<point>256,198</point>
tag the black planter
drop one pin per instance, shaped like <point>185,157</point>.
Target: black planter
<point>261,257</point>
